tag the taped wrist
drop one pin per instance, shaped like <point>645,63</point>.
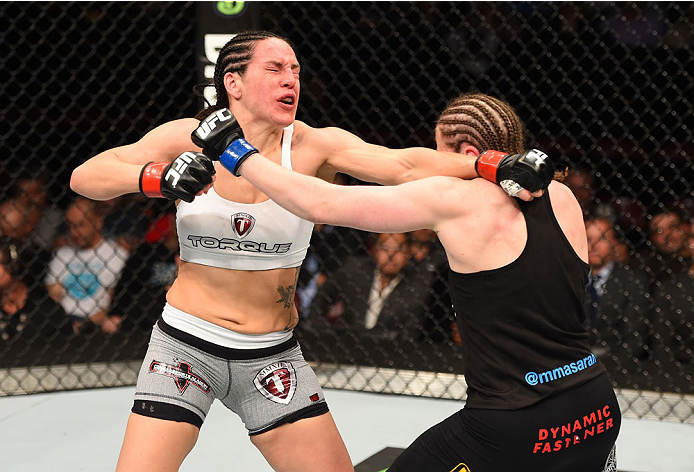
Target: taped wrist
<point>234,155</point>
<point>150,179</point>
<point>487,164</point>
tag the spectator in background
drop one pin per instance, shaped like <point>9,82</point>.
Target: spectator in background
<point>82,274</point>
<point>429,258</point>
<point>27,313</point>
<point>666,256</point>
<point>674,314</point>
<point>148,274</point>
<point>581,181</point>
<point>328,248</point>
<point>33,192</point>
<point>426,250</point>
<point>617,301</point>
<point>17,221</point>
<point>379,295</point>
<point>125,220</point>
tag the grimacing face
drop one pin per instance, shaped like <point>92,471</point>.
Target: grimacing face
<point>270,86</point>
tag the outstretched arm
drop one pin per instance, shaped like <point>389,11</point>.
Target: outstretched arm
<point>347,153</point>
<point>518,174</point>
<point>409,206</point>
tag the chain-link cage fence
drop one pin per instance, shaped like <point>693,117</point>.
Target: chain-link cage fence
<point>604,88</point>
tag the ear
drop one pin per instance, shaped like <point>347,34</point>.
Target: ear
<point>232,84</point>
<point>468,149</point>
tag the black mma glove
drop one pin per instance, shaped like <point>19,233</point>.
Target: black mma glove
<point>531,170</point>
<point>221,137</point>
<point>183,178</point>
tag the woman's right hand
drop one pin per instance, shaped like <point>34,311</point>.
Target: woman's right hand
<point>188,176</point>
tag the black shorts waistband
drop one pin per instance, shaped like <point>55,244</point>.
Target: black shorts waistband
<point>226,352</point>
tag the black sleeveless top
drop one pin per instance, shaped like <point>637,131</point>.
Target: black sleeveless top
<point>521,324</point>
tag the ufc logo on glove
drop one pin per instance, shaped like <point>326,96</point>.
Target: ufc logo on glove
<point>538,155</point>
<point>179,166</point>
<point>210,123</point>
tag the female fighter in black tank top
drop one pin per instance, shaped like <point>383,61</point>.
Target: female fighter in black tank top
<point>521,324</point>
<point>538,400</point>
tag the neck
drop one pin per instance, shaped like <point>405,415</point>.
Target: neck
<point>386,279</point>
<point>262,135</point>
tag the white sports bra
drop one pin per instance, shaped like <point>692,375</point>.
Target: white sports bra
<point>217,232</point>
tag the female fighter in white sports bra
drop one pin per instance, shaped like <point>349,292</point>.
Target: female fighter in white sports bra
<point>226,331</point>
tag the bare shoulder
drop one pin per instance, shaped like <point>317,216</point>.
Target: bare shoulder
<point>454,196</point>
<point>326,138</point>
<point>569,215</point>
<point>314,147</point>
<point>563,199</point>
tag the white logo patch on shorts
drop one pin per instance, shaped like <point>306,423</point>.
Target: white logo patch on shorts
<point>277,382</point>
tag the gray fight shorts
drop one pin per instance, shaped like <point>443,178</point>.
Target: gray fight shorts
<point>182,375</point>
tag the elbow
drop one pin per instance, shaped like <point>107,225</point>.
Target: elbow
<point>315,214</point>
<point>408,173</point>
<point>318,213</point>
<point>82,182</point>
<point>407,176</point>
<point>79,181</point>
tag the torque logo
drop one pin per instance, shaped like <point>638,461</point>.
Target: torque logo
<point>208,242</point>
<point>277,382</point>
<point>242,223</point>
<point>181,374</point>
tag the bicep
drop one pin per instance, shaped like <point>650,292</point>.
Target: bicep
<point>344,152</point>
<point>162,144</point>
<point>372,163</point>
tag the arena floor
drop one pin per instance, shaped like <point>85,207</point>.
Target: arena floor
<point>82,431</point>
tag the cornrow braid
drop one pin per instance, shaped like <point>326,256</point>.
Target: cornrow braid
<point>483,121</point>
<point>233,57</point>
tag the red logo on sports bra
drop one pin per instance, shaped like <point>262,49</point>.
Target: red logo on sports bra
<point>242,223</point>
<point>277,382</point>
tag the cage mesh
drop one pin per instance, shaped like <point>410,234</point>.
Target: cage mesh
<point>604,88</point>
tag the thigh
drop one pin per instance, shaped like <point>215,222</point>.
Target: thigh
<point>572,431</point>
<point>153,444</point>
<point>271,391</point>
<point>177,381</point>
<point>307,445</point>
<point>453,445</point>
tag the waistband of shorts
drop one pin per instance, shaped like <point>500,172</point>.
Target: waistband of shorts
<point>226,352</point>
<point>216,334</point>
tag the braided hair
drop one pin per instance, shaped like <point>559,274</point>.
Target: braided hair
<point>483,121</point>
<point>233,57</point>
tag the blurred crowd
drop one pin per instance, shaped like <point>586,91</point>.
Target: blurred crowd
<point>101,268</point>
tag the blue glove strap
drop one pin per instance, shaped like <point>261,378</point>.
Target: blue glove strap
<point>235,154</point>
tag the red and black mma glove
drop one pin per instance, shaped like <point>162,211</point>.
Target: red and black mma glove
<point>221,137</point>
<point>531,170</point>
<point>183,178</point>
